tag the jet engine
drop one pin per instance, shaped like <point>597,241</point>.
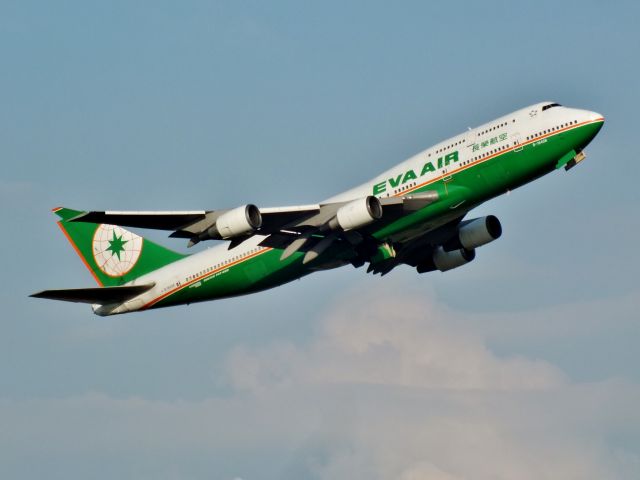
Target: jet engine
<point>235,223</point>
<point>356,214</point>
<point>475,233</point>
<point>443,260</point>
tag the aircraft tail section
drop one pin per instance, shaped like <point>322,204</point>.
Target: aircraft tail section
<point>112,254</point>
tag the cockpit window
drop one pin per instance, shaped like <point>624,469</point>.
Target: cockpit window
<point>551,105</point>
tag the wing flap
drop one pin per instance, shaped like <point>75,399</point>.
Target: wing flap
<point>103,295</point>
<point>275,218</point>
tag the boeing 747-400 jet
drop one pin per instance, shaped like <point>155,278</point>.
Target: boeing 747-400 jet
<point>412,214</point>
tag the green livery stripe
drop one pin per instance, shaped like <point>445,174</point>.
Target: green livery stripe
<point>494,155</point>
<point>204,276</point>
<point>493,175</point>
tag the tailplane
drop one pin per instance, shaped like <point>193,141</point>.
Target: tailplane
<point>113,255</point>
<point>100,295</point>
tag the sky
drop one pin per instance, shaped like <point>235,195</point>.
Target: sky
<point>522,364</point>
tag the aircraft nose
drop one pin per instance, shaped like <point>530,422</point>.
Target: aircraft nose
<point>591,123</point>
<point>595,116</point>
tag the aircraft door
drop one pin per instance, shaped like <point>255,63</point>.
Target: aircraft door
<point>470,139</point>
<point>516,142</point>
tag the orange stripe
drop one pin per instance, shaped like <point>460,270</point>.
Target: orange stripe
<point>472,164</point>
<point>208,274</point>
<point>75,247</point>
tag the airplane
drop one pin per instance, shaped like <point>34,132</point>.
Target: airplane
<point>412,214</point>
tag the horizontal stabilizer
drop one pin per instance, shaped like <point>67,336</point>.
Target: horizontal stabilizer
<point>103,295</point>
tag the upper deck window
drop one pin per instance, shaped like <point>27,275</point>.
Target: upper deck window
<point>551,105</point>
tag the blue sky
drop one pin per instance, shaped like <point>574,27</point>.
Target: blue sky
<point>525,358</point>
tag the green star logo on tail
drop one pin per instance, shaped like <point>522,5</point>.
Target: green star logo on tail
<point>115,250</point>
<point>116,245</point>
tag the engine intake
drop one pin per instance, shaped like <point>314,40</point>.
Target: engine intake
<point>356,214</point>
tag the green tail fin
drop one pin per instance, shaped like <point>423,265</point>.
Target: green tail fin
<point>112,254</point>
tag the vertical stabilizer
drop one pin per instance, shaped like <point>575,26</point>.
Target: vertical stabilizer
<point>112,254</point>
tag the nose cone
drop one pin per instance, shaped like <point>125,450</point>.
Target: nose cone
<point>595,117</point>
<point>591,123</point>
<point>597,120</point>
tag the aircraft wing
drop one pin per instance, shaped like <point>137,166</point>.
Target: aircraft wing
<point>160,220</point>
<point>189,223</point>
<point>289,221</point>
<point>100,295</point>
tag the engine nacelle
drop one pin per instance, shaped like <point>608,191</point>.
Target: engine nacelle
<point>475,233</point>
<point>443,260</point>
<point>357,213</point>
<point>236,222</point>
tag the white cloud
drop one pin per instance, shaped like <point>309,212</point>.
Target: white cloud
<point>407,342</point>
<point>423,397</point>
<point>396,390</point>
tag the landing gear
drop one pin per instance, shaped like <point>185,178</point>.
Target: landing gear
<point>580,156</point>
